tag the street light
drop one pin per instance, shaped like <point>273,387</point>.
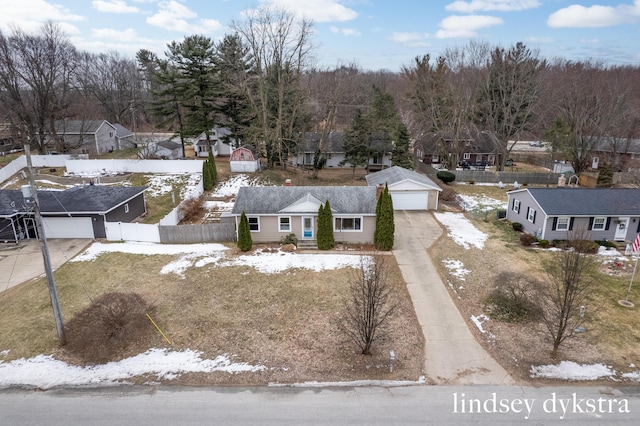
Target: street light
<point>30,194</point>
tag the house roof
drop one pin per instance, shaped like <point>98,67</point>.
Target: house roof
<point>397,174</point>
<point>80,199</point>
<point>79,126</point>
<point>276,199</point>
<point>121,131</point>
<point>587,201</point>
<point>216,134</point>
<point>169,144</point>
<point>621,145</point>
<point>334,142</point>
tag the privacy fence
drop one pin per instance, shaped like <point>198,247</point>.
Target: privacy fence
<point>506,177</point>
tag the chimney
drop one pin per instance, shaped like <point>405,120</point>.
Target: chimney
<point>379,189</point>
<point>287,182</point>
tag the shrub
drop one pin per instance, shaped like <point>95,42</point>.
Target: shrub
<point>447,193</point>
<point>527,239</point>
<point>517,226</point>
<point>191,208</point>
<point>446,176</point>
<point>289,239</point>
<point>544,243</point>
<point>514,298</point>
<point>525,184</point>
<point>472,182</point>
<point>605,243</point>
<point>244,234</point>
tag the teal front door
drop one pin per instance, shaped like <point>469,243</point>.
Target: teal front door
<point>307,227</point>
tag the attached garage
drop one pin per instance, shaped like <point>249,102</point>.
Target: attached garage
<point>68,227</point>
<point>408,189</point>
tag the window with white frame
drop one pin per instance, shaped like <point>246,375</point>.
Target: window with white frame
<point>466,156</point>
<point>126,208</point>
<point>348,224</point>
<point>435,158</point>
<point>599,223</point>
<point>516,206</point>
<point>284,223</point>
<point>531,215</point>
<point>562,224</point>
<point>254,223</point>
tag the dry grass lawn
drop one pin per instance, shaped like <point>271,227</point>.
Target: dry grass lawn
<point>284,321</point>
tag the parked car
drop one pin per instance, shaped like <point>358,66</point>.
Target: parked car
<point>538,144</point>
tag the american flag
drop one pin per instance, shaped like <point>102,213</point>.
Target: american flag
<point>636,245</point>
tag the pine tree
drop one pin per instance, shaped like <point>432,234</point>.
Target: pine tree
<point>383,236</point>
<point>206,176</point>
<point>213,171</point>
<point>325,238</point>
<point>401,154</point>
<point>244,234</point>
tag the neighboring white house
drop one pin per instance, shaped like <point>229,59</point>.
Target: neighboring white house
<point>168,150</point>
<point>218,140</point>
<point>409,190</point>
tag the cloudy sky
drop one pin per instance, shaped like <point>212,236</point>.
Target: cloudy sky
<point>376,34</point>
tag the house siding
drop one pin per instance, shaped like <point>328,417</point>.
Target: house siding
<point>526,203</point>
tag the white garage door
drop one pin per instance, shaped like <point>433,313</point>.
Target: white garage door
<point>409,200</point>
<point>68,227</point>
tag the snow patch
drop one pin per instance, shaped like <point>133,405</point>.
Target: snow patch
<point>461,230</point>
<point>456,268</point>
<point>569,370</point>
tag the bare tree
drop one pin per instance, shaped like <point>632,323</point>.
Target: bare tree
<point>370,305</point>
<point>568,288</point>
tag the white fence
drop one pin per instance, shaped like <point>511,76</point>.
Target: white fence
<point>122,231</point>
<point>96,167</point>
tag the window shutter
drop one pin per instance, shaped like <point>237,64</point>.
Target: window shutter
<point>590,223</point>
<point>527,212</point>
<point>638,230</point>
<point>571,224</point>
<point>534,216</point>
<point>606,227</point>
<point>555,224</point>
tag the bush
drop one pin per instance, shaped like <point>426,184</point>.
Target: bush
<point>191,208</point>
<point>527,239</point>
<point>514,298</point>
<point>447,193</point>
<point>244,234</point>
<point>605,243</point>
<point>445,176</point>
<point>472,182</point>
<point>517,226</point>
<point>289,239</point>
<point>544,243</point>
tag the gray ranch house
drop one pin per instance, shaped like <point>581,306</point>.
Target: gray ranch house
<point>277,211</point>
<point>93,137</point>
<point>79,212</point>
<point>409,190</point>
<point>611,214</point>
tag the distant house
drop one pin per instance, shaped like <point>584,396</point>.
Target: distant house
<point>623,154</point>
<point>409,190</point>
<point>9,138</point>
<point>79,212</point>
<point>167,149</point>
<point>332,147</point>
<point>219,141</point>
<point>466,152</point>
<point>93,137</point>
<point>551,213</point>
<point>276,211</point>
<point>244,160</point>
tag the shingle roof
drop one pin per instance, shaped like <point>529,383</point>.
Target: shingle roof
<point>588,201</point>
<point>272,199</point>
<point>398,174</point>
<point>81,199</point>
<point>70,127</point>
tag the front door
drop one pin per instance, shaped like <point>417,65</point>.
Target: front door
<point>307,227</point>
<point>621,229</point>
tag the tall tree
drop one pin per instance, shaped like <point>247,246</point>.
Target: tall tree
<point>383,237</point>
<point>325,237</point>
<point>401,154</point>
<point>244,234</point>
<point>356,143</point>
<point>36,80</point>
<point>507,99</point>
<point>279,45</point>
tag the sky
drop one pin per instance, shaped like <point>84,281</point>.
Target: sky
<point>374,34</point>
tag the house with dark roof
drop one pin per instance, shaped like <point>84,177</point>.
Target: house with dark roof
<point>220,142</point>
<point>331,145</point>
<point>551,213</point>
<point>78,212</point>
<point>277,211</point>
<point>409,190</point>
<point>465,152</point>
<point>93,137</point>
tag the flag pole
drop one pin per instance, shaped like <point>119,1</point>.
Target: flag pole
<point>632,275</point>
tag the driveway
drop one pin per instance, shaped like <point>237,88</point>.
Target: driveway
<point>23,262</point>
<point>452,354</point>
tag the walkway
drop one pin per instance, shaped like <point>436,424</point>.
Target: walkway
<point>452,354</point>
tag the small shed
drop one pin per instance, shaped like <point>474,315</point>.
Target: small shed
<point>409,190</point>
<point>244,160</point>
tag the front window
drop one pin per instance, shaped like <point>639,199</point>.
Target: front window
<point>285,224</point>
<point>435,158</point>
<point>377,159</point>
<point>516,206</point>
<point>531,216</point>
<point>599,223</point>
<point>254,223</point>
<point>466,156</point>
<point>563,224</point>
<point>348,224</point>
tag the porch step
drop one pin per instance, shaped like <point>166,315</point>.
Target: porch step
<point>307,244</point>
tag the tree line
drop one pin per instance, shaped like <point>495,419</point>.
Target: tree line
<point>261,82</point>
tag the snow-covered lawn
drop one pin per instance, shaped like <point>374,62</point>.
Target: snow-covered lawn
<point>482,203</point>
<point>461,230</point>
<point>569,370</point>
<point>456,268</point>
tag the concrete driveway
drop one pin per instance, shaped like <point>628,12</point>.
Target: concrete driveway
<point>452,354</point>
<point>23,262</point>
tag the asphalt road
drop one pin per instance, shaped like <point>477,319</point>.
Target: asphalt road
<point>412,405</point>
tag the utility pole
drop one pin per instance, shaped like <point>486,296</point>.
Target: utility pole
<point>53,292</point>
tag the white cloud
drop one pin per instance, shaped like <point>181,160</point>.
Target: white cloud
<point>540,40</point>
<point>29,15</point>
<point>491,5</point>
<point>596,16</point>
<point>209,25</point>
<point>344,31</point>
<point>173,16</point>
<point>120,35</point>
<point>465,26</point>
<point>410,39</point>
<point>318,10</point>
<point>113,6</point>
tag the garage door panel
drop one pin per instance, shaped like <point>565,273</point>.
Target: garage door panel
<point>68,227</point>
<point>409,200</point>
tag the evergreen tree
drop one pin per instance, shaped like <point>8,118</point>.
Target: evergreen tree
<point>383,237</point>
<point>325,237</point>
<point>206,176</point>
<point>244,234</point>
<point>401,154</point>
<point>356,146</point>
<point>213,171</point>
